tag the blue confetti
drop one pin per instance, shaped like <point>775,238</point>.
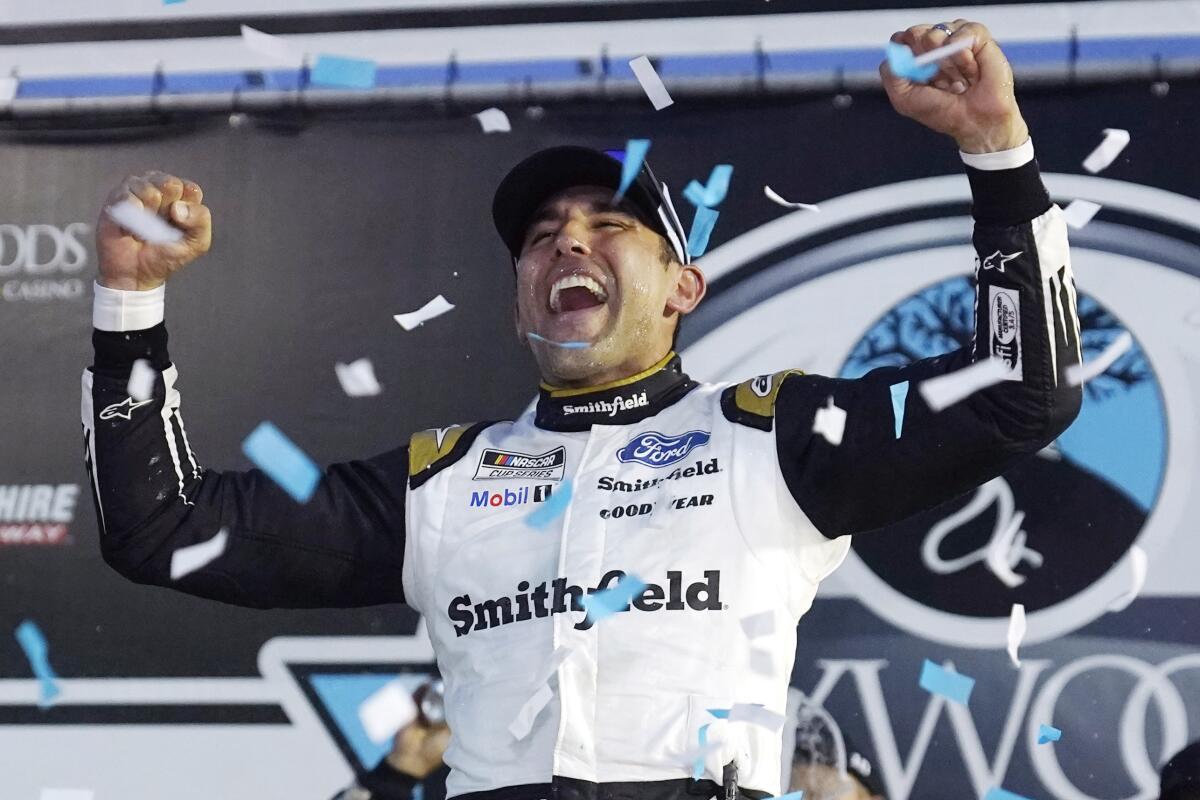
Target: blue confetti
<point>950,685</point>
<point>899,395</point>
<point>710,196</point>
<point>553,508</point>
<point>789,796</point>
<point>610,601</point>
<point>719,713</point>
<point>348,73</point>
<point>698,767</point>
<point>30,637</point>
<point>902,63</point>
<point>566,345</point>
<point>1048,733</point>
<point>1000,794</point>
<point>702,226</point>
<point>284,462</point>
<point>631,164</point>
<point>171,2</point>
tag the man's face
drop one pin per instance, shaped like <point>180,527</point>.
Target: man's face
<point>592,272</point>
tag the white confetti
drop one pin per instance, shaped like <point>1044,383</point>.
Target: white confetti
<point>67,794</point>
<point>757,625</point>
<point>1114,142</point>
<point>386,711</point>
<point>774,197</point>
<point>357,378</point>
<point>523,723</point>
<point>1079,213</point>
<point>1016,632</point>
<point>273,47</point>
<point>945,51</point>
<point>493,120</point>
<point>946,390</point>
<point>762,661</point>
<point>1078,374</point>
<point>144,225</point>
<point>141,380</point>
<point>652,85</point>
<point>187,560</point>
<point>8,89</point>
<point>434,308</point>
<point>756,715</point>
<point>1137,567</point>
<point>830,422</point>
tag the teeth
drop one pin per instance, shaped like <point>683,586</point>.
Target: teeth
<point>571,281</point>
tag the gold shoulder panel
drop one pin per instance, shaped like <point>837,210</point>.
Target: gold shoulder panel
<point>757,395</point>
<point>428,447</point>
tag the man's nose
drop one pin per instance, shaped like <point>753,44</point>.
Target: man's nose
<point>568,240</point>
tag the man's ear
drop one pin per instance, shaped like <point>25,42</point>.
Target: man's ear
<point>688,291</point>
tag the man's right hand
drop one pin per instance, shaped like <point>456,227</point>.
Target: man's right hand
<point>129,263</point>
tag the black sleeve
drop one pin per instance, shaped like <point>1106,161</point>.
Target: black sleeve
<point>879,474</point>
<point>342,548</point>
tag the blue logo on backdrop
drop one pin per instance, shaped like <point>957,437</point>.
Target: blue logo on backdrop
<point>656,450</point>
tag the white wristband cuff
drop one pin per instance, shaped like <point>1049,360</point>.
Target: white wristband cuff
<point>1002,159</point>
<point>117,310</point>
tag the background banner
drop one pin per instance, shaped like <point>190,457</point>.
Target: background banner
<point>327,225</point>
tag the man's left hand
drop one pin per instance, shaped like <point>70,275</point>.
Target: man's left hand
<point>971,97</point>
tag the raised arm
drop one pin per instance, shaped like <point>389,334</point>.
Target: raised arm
<point>891,465</point>
<point>344,547</point>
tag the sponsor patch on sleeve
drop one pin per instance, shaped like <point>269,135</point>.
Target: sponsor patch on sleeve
<point>1004,319</point>
<point>752,402</point>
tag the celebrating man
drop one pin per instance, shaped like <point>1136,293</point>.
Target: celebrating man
<point>720,498</point>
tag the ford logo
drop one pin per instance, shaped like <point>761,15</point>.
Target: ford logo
<point>656,450</point>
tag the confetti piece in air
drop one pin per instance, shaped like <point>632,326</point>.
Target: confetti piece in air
<point>830,422</point>
<point>719,713</point>
<point>950,685</point>
<point>1078,374</point>
<point>607,602</point>
<point>698,767</point>
<point>187,560</point>
<point>774,197</point>
<point>357,378</point>
<point>761,661</point>
<point>652,85</point>
<point>141,380</point>
<point>66,794</point>
<point>284,462</point>
<point>1080,212</point>
<point>171,2</point>
<point>8,89</point>
<point>945,51</point>
<point>1001,794</point>
<point>756,714</point>
<point>711,194</point>
<point>790,796</point>
<point>493,120</point>
<point>273,47</point>
<point>1016,632</point>
<point>946,390</point>
<point>702,226</point>
<point>566,345</point>
<point>523,723</point>
<point>342,72</point>
<point>758,625</point>
<point>1137,566</point>
<point>389,709</point>
<point>1047,734</point>
<point>33,642</point>
<point>899,395</point>
<point>1114,142</point>
<point>553,507</point>
<point>144,225</point>
<point>434,308</point>
<point>903,65</point>
<point>631,165</point>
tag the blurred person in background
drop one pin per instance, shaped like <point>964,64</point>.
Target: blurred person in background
<point>824,764</point>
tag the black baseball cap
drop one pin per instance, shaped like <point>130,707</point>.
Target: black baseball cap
<point>548,172</point>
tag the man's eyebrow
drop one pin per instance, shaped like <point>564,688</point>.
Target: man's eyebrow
<point>548,214</point>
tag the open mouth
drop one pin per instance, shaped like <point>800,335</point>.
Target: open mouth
<point>575,293</point>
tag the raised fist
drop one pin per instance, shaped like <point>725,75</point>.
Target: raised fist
<point>130,263</point>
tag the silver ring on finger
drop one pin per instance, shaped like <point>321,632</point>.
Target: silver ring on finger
<point>944,28</point>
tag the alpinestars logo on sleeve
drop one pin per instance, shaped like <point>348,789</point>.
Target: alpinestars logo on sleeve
<point>123,409</point>
<point>997,260</point>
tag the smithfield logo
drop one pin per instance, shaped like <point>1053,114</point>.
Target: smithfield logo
<point>609,407</point>
<point>656,450</point>
<point>607,483</point>
<point>507,498</point>
<point>548,466</point>
<point>558,596</point>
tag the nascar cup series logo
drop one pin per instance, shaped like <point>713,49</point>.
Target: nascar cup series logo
<point>897,287</point>
<point>656,450</point>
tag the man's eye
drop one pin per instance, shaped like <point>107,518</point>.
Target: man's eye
<point>537,237</point>
<point>610,223</point>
